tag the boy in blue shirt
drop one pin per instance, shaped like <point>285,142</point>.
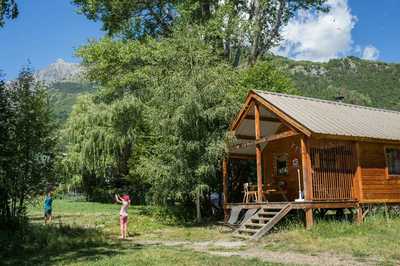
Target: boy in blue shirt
<point>48,205</point>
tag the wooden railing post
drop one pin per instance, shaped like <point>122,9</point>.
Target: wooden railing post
<point>258,153</point>
<point>357,185</point>
<point>307,178</point>
<point>306,168</point>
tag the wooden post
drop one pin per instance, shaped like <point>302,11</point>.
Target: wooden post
<point>306,168</point>
<point>258,153</point>
<point>359,215</point>
<point>225,187</point>
<point>198,212</point>
<point>307,179</point>
<point>309,218</point>
<point>357,185</point>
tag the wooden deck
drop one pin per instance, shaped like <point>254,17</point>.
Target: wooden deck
<point>333,204</point>
<point>268,214</point>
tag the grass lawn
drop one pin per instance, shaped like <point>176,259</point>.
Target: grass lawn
<point>378,237</point>
<point>84,233</point>
<point>144,223</point>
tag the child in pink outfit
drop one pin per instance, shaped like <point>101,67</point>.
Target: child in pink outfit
<point>123,214</point>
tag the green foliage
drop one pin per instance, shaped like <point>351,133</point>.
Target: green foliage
<point>362,82</point>
<point>230,26</point>
<point>266,76</point>
<point>27,154</point>
<point>134,19</point>
<point>63,95</point>
<point>157,125</point>
<point>101,139</point>
<point>8,10</point>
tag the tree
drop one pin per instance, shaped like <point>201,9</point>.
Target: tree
<point>182,97</point>
<point>27,143</point>
<point>8,10</point>
<point>7,145</point>
<point>266,76</point>
<point>101,139</point>
<point>133,19</point>
<point>232,26</point>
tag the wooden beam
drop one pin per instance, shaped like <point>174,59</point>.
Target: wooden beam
<point>282,135</point>
<point>245,137</point>
<point>247,106</point>
<point>354,138</point>
<point>267,119</point>
<point>357,185</point>
<point>285,119</point>
<point>240,156</point>
<point>325,204</point>
<point>306,168</point>
<point>258,152</point>
<point>359,215</point>
<point>309,218</point>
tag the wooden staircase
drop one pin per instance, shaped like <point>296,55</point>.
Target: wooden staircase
<point>263,221</point>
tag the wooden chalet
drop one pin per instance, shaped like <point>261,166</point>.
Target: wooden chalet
<point>337,155</point>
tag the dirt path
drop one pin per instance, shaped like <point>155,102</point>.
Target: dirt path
<point>250,250</point>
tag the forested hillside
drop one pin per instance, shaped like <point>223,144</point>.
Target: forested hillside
<point>359,81</point>
<point>63,96</point>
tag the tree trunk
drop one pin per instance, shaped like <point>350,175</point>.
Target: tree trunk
<point>198,213</point>
<point>254,51</point>
<point>238,54</point>
<point>205,9</point>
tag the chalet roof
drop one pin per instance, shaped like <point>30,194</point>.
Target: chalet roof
<point>335,118</point>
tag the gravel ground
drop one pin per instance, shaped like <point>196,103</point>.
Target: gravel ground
<point>250,250</point>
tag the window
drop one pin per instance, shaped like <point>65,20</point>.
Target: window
<point>393,161</point>
<point>281,165</point>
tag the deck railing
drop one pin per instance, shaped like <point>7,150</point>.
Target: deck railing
<point>333,169</point>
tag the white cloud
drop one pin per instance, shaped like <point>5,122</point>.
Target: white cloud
<point>370,53</point>
<point>319,36</point>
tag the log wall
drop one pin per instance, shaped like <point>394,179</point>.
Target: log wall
<point>376,185</point>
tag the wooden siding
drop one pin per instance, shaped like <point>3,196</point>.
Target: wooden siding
<point>377,186</point>
<point>291,146</point>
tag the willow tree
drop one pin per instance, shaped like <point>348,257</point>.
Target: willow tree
<point>101,139</point>
<point>181,96</point>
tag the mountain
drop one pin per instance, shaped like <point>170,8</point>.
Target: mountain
<point>357,81</point>
<point>60,71</point>
<point>65,84</point>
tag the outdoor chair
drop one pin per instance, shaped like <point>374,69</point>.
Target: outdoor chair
<point>248,194</point>
<point>235,220</point>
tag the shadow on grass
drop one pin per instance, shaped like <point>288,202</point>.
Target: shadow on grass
<point>46,245</point>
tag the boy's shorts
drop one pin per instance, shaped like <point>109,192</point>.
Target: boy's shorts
<point>47,212</point>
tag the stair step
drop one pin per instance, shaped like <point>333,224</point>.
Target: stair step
<point>254,225</point>
<point>261,219</point>
<point>272,207</point>
<point>267,213</point>
<point>247,230</point>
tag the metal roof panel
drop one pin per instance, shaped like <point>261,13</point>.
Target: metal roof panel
<point>336,118</point>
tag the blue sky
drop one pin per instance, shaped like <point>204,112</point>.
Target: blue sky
<point>50,29</point>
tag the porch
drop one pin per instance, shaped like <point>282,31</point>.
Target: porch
<point>287,166</point>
